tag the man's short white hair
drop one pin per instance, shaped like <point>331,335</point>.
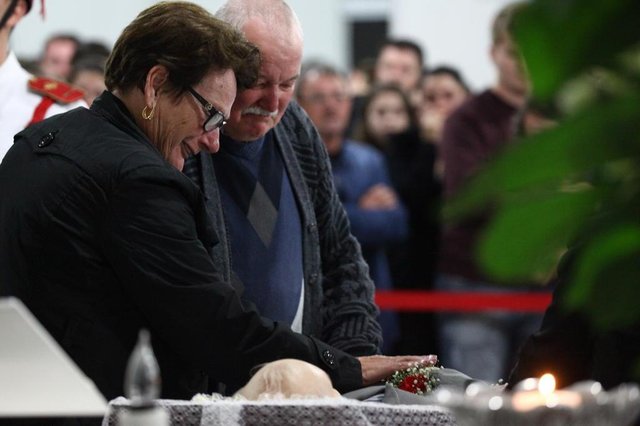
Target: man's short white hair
<point>274,13</point>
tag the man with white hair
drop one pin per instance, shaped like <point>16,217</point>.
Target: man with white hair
<point>284,236</point>
<point>25,99</point>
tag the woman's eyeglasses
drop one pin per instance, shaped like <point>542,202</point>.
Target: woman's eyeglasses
<point>216,118</point>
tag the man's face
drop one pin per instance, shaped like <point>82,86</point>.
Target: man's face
<point>511,73</point>
<point>258,109</point>
<point>56,62</point>
<point>400,66</point>
<point>325,99</point>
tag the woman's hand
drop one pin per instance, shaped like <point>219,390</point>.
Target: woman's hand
<point>376,368</point>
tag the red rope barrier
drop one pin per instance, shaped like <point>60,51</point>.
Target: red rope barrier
<point>429,301</point>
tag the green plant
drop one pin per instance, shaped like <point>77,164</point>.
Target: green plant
<point>579,182</point>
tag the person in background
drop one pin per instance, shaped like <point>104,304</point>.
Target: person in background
<point>91,48</point>
<point>387,111</point>
<point>361,178</point>
<point>361,78</point>
<point>443,91</point>
<point>483,345</point>
<point>88,75</point>
<point>126,235</point>
<point>399,62</point>
<point>534,117</point>
<point>57,56</point>
<point>390,123</point>
<point>25,99</point>
<point>88,69</point>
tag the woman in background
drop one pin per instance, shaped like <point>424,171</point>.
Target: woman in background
<point>390,123</point>
<point>443,90</point>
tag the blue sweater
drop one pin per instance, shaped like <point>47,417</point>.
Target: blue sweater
<point>270,271</point>
<point>356,169</point>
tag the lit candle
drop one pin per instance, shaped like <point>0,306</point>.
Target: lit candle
<point>545,396</point>
<point>547,385</point>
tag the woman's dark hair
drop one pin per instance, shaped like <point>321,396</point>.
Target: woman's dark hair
<point>363,133</point>
<point>188,41</point>
<point>92,49</point>
<point>448,71</point>
<point>94,63</point>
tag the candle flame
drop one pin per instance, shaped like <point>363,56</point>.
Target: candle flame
<point>547,384</point>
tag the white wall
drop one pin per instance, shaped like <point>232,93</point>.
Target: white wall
<point>88,19</point>
<point>324,29</point>
<point>455,32</point>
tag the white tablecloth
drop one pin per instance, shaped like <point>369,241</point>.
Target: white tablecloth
<point>293,412</point>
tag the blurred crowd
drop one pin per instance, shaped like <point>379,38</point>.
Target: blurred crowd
<point>403,135</point>
<point>67,58</point>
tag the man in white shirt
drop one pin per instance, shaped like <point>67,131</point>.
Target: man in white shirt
<point>25,99</point>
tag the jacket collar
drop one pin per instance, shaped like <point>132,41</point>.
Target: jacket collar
<point>115,111</point>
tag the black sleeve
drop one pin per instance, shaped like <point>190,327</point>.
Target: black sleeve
<point>151,239</point>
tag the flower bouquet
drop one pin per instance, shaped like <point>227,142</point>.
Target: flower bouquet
<point>417,379</point>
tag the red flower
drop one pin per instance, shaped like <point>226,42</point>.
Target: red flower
<point>413,383</point>
<point>417,379</point>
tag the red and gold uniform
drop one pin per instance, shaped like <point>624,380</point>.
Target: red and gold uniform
<point>25,99</point>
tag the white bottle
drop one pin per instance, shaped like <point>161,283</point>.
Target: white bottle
<point>142,387</point>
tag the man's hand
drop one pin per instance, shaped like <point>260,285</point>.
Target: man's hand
<point>376,368</point>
